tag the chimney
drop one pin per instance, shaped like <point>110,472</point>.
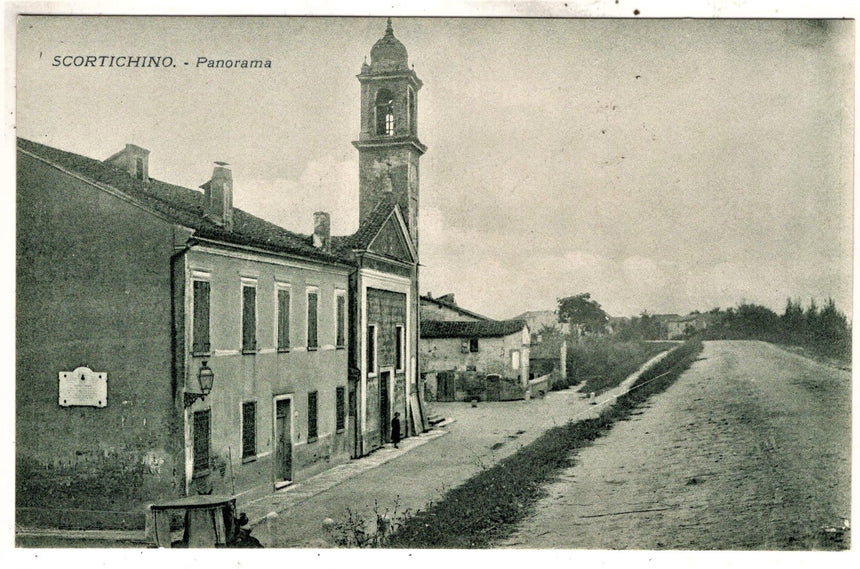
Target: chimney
<point>322,230</point>
<point>219,196</point>
<point>134,160</point>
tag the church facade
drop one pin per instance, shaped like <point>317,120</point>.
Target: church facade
<point>169,343</point>
<point>384,358</point>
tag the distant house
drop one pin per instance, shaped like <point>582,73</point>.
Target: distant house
<point>689,324</point>
<point>539,319</point>
<point>457,357</point>
<point>663,322</point>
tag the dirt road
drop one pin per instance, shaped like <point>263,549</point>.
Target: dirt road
<point>478,438</point>
<point>750,449</point>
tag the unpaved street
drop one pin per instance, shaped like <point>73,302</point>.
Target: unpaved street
<point>749,449</point>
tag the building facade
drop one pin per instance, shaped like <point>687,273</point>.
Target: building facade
<point>147,285</point>
<point>457,357</point>
<point>384,355</point>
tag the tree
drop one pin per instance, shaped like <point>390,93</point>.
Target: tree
<point>549,331</point>
<point>793,322</point>
<point>582,310</point>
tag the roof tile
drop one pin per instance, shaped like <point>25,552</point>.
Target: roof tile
<point>477,329</point>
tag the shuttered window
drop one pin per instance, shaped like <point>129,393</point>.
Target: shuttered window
<point>399,345</point>
<point>200,318</point>
<point>313,341</point>
<point>341,321</point>
<point>283,319</point>
<point>340,409</point>
<point>249,429</point>
<point>249,318</point>
<point>201,422</point>
<point>371,349</point>
<point>312,416</point>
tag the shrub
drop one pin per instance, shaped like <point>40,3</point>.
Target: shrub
<point>353,530</point>
<point>603,363</point>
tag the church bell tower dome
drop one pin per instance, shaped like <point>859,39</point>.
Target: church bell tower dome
<point>388,52</point>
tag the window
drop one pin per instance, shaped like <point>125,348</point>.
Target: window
<point>249,318</point>
<point>515,359</point>
<point>138,168</point>
<point>371,349</point>
<point>340,404</point>
<point>249,430</point>
<point>340,306</point>
<point>283,319</point>
<point>384,113</point>
<point>201,420</point>
<point>399,348</point>
<point>473,345</point>
<point>312,416</point>
<point>200,318</point>
<point>412,118</point>
<point>313,342</point>
<point>389,121</point>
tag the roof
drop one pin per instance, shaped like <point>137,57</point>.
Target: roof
<point>538,314</point>
<point>692,317</point>
<point>369,229</point>
<point>186,206</point>
<point>665,317</point>
<point>540,318</point>
<point>480,329</point>
<point>388,49</point>
<point>455,308</point>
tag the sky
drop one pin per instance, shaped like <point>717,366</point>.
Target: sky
<point>660,165</point>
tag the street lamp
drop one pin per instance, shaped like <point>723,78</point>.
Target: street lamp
<point>205,379</point>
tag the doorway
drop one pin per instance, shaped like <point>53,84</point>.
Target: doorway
<point>446,386</point>
<point>355,450</point>
<point>283,441</point>
<point>385,407</point>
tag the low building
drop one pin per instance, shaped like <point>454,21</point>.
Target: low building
<point>540,319</point>
<point>662,321</point>
<point>686,326</point>
<point>457,356</point>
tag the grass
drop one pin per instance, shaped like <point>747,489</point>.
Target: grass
<point>488,506</point>
<point>605,362</point>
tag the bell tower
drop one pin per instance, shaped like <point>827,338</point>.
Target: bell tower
<point>388,145</point>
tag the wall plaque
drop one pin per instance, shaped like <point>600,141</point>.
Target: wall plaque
<point>83,387</point>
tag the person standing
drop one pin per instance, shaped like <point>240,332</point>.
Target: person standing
<point>395,429</point>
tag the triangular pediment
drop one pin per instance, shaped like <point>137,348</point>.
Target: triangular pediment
<point>391,241</point>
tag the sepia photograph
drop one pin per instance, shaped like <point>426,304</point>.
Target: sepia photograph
<point>456,281</point>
